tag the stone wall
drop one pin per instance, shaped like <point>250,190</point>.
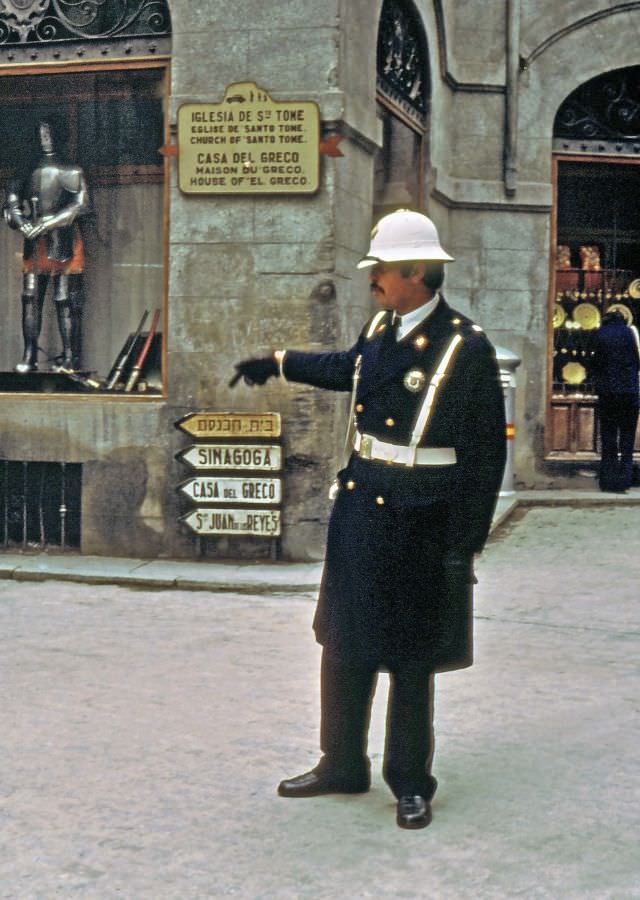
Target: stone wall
<point>251,274</point>
<point>246,275</point>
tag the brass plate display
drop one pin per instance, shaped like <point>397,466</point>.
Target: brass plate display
<point>634,289</point>
<point>587,316</point>
<point>559,315</point>
<point>624,311</point>
<point>574,373</point>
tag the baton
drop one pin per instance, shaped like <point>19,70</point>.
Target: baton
<point>126,353</point>
<point>135,372</point>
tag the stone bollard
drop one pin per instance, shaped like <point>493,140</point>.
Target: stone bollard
<point>508,362</point>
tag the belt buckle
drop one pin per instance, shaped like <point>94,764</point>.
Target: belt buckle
<point>366,446</point>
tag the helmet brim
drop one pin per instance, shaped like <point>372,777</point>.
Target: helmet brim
<point>437,255</point>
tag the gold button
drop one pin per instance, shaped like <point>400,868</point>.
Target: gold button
<point>380,501</point>
<point>420,342</point>
<point>359,407</point>
<point>350,485</point>
<point>390,422</point>
<point>456,321</point>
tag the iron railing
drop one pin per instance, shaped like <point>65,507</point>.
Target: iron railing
<point>40,504</point>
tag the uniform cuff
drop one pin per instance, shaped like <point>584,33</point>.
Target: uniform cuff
<point>279,356</point>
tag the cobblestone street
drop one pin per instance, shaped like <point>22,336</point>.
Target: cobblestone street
<point>143,734</point>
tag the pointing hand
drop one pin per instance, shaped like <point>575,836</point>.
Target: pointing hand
<point>255,371</point>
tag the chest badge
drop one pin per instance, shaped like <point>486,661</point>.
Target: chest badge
<point>414,380</point>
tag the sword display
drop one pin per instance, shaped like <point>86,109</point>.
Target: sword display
<point>135,371</point>
<point>126,353</point>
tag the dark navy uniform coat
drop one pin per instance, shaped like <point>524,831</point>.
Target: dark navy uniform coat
<point>385,593</point>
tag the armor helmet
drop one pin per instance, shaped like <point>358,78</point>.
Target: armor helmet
<point>402,236</point>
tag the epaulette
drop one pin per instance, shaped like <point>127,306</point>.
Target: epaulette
<point>464,322</point>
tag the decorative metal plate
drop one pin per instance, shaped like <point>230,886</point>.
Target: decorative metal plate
<point>624,311</point>
<point>559,315</point>
<point>587,316</point>
<point>574,373</point>
<point>634,289</point>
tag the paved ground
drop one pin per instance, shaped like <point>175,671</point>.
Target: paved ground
<point>142,735</point>
<point>248,577</point>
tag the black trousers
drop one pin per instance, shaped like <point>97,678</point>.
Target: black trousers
<point>347,689</point>
<point>618,415</point>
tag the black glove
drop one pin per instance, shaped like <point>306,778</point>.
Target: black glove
<point>255,371</point>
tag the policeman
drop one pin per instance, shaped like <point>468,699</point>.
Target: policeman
<point>414,504</point>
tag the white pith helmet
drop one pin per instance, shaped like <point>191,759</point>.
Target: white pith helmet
<point>404,235</point>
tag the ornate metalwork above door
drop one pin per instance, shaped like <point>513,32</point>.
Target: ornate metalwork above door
<point>29,27</point>
<point>602,115</point>
<point>403,66</point>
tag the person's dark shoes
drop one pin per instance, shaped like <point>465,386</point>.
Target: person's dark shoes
<point>414,811</point>
<point>314,784</point>
<point>613,489</point>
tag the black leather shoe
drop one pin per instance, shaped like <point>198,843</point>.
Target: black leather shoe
<point>413,812</point>
<point>313,784</point>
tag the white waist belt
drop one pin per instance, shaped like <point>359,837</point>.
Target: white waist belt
<point>369,447</point>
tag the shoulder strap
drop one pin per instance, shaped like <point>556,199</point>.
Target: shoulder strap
<point>424,413</point>
<point>373,324</point>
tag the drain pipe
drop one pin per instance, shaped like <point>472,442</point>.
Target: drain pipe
<point>511,97</point>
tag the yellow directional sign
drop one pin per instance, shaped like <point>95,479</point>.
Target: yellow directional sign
<point>249,144</point>
<point>231,425</point>
<point>246,522</point>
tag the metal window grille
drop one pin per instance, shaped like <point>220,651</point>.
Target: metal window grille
<point>40,504</point>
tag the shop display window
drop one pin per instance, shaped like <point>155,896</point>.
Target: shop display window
<point>94,275</point>
<point>596,268</point>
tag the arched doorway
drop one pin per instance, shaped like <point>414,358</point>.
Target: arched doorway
<point>596,246</point>
<point>403,95</point>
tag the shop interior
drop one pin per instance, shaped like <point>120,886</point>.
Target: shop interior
<point>597,268</point>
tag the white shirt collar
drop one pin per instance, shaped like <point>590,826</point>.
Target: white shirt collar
<point>412,319</point>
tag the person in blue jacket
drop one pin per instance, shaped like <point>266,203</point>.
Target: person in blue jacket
<point>412,506</point>
<point>615,366</point>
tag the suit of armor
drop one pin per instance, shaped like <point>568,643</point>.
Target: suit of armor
<point>45,209</point>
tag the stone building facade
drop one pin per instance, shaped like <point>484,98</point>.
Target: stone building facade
<point>470,134</point>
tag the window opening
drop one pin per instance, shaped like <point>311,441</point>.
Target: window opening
<point>403,90</point>
<point>40,503</point>
<point>601,116</point>
<point>36,30</point>
<point>109,125</point>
